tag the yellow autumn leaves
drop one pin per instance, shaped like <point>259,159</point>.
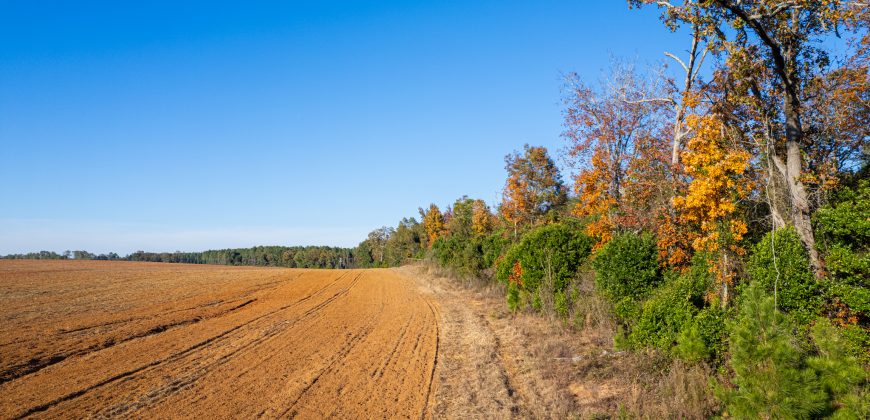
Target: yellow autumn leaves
<point>718,182</point>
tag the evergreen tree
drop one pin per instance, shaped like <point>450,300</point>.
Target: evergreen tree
<point>771,378</point>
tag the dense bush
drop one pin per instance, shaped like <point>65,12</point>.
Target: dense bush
<point>663,316</point>
<point>847,266</point>
<point>847,219</point>
<point>672,307</point>
<point>843,230</point>
<point>779,264</point>
<point>542,264</point>
<point>627,270</point>
<point>469,255</point>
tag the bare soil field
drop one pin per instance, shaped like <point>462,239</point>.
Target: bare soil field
<point>145,340</point>
<point>152,340</point>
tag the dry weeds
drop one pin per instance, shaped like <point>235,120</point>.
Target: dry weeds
<point>556,369</point>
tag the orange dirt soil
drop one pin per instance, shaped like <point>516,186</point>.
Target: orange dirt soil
<point>145,340</point>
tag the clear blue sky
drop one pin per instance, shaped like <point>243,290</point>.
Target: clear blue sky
<point>170,125</point>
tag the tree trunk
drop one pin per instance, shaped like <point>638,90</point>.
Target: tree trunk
<point>777,189</point>
<point>784,52</point>
<point>794,165</point>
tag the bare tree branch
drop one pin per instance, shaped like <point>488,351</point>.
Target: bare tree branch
<point>677,59</point>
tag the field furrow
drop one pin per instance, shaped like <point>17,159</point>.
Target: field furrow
<point>103,339</point>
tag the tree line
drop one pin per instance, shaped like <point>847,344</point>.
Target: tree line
<point>265,256</point>
<point>723,211</point>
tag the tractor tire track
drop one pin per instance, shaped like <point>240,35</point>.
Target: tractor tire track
<point>251,342</point>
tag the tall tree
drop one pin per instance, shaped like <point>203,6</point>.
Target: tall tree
<point>481,218</point>
<point>717,167</point>
<point>615,133</point>
<point>433,223</point>
<point>533,187</point>
<point>773,54</point>
<point>461,220</point>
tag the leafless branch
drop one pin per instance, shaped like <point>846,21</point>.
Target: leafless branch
<point>677,59</point>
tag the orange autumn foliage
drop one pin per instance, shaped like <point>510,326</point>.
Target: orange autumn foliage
<point>533,188</point>
<point>433,223</point>
<point>593,199</point>
<point>717,184</point>
<point>516,275</point>
<point>481,218</point>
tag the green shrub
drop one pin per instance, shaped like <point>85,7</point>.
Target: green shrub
<point>663,315</point>
<point>672,308</point>
<point>627,268</point>
<point>788,274</point>
<point>771,378</point>
<point>492,246</point>
<point>704,339</point>
<point>843,232</point>
<point>513,297</point>
<point>627,309</point>
<point>846,220</point>
<point>550,257</point>
<point>847,266</point>
<point>856,341</point>
<point>468,254</point>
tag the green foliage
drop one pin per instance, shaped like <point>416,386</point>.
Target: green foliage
<point>463,249</point>
<point>848,267</point>
<point>704,339</point>
<point>469,255</point>
<point>492,247</point>
<point>407,241</point>
<point>843,231</point>
<point>513,297</point>
<point>843,228</point>
<point>771,378</point>
<point>460,222</point>
<point>847,220</point>
<point>550,257</point>
<point>779,263</point>
<point>626,268</point>
<point>663,315</point>
<point>672,308</point>
<point>268,256</point>
<point>856,341</point>
<point>627,309</point>
<point>840,373</point>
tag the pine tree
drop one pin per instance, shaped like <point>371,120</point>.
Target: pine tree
<point>771,378</point>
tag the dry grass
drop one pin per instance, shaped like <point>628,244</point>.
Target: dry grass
<point>570,369</point>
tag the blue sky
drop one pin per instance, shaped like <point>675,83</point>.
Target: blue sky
<point>193,125</point>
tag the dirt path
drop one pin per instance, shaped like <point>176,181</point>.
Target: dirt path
<point>493,364</point>
<point>95,339</point>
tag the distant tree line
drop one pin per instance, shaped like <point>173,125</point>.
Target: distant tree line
<point>264,256</point>
<point>66,255</point>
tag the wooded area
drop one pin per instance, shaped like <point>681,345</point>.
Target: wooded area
<point>723,213</point>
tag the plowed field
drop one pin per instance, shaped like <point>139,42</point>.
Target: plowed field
<point>147,340</point>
